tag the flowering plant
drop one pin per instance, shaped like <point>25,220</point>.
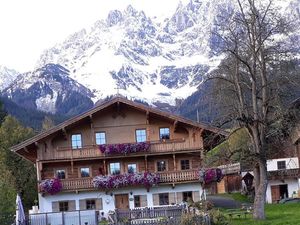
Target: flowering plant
<point>210,175</point>
<point>124,148</point>
<point>51,186</point>
<point>116,181</point>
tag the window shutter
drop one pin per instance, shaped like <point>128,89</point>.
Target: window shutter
<point>155,199</point>
<point>99,204</point>
<point>196,196</point>
<point>72,205</point>
<point>55,206</point>
<point>82,204</point>
<point>179,197</point>
<point>143,199</point>
<point>172,199</point>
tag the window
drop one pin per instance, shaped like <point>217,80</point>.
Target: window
<point>163,199</point>
<point>85,172</point>
<point>61,174</point>
<point>137,201</point>
<point>281,165</point>
<point>185,164</point>
<point>76,141</point>
<point>161,165</point>
<point>63,206</point>
<point>187,196</point>
<point>90,204</point>
<point>141,135</point>
<point>132,168</point>
<point>164,133</point>
<point>100,138</point>
<point>115,168</point>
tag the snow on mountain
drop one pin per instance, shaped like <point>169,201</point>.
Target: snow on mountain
<point>49,89</point>
<point>143,59</point>
<point>7,76</point>
<point>130,53</point>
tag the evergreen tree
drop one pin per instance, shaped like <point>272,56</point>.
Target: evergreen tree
<point>2,112</point>
<point>17,174</point>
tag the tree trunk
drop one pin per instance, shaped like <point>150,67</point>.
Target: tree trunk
<point>261,182</point>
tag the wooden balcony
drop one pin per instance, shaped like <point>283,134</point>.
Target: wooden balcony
<point>283,174</point>
<point>92,152</point>
<point>165,178</point>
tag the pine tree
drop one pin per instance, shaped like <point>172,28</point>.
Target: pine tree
<point>18,175</point>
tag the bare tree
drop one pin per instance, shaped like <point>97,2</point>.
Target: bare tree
<point>251,78</point>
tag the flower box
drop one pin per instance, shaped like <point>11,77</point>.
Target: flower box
<point>209,176</point>
<point>50,186</point>
<point>146,179</point>
<point>126,148</point>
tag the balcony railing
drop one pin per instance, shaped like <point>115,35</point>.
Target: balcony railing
<point>283,174</point>
<point>165,178</point>
<point>93,151</point>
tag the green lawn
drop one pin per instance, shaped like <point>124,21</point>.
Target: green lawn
<point>277,214</point>
<point>237,197</point>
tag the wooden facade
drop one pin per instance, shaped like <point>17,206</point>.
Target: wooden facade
<point>118,119</point>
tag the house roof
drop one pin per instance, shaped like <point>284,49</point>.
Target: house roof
<point>117,99</point>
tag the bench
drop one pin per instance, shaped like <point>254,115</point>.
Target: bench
<point>246,209</point>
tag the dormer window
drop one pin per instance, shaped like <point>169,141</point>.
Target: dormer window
<point>164,133</point>
<point>76,141</point>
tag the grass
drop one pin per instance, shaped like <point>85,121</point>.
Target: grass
<point>237,197</point>
<point>276,214</point>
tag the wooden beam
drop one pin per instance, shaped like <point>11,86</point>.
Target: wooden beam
<point>146,163</point>
<point>174,162</point>
<point>175,124</point>
<point>147,117</point>
<point>64,133</point>
<point>92,130</point>
<point>104,165</point>
<point>72,166</point>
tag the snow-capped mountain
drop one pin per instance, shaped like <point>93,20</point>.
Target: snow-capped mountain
<point>130,53</point>
<point>50,89</point>
<point>7,76</point>
<point>146,60</point>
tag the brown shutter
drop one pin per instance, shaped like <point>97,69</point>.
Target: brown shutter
<point>55,206</point>
<point>155,199</point>
<point>143,199</point>
<point>196,196</point>
<point>99,205</point>
<point>179,197</point>
<point>82,204</point>
<point>172,199</point>
<point>72,205</point>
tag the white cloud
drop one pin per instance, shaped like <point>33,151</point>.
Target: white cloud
<point>28,27</point>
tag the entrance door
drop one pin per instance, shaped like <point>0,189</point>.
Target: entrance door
<point>122,201</point>
<point>275,193</point>
<point>283,188</point>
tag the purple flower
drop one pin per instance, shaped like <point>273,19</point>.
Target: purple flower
<point>124,148</point>
<point>51,186</point>
<point>210,175</point>
<point>122,180</point>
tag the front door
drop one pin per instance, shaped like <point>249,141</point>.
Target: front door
<point>122,201</point>
<point>275,193</point>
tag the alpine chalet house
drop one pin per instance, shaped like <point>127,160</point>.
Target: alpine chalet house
<point>120,154</point>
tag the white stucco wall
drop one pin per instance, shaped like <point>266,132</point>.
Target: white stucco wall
<point>45,202</point>
<point>291,163</point>
<point>293,185</point>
